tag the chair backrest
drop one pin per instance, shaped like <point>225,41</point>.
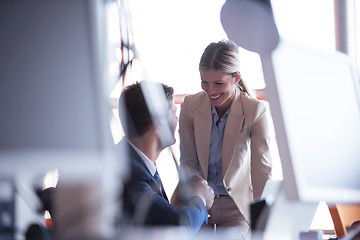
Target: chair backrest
<point>343,215</point>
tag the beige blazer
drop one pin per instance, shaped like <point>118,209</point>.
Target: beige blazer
<point>246,162</point>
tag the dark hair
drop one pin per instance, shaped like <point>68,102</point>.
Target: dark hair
<point>223,56</point>
<point>133,111</point>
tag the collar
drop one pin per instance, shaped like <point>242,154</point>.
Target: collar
<point>215,116</point>
<point>150,165</point>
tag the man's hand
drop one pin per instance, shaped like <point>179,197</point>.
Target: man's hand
<point>200,187</point>
<point>196,186</point>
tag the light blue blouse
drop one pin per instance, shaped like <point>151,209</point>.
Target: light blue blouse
<point>215,178</point>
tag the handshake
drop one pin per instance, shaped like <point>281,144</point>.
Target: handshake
<point>194,186</point>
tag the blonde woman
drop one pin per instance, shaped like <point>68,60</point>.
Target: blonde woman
<point>224,137</point>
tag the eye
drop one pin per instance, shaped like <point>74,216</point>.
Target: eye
<point>219,83</point>
<point>203,82</point>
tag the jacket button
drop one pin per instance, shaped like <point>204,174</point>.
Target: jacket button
<point>229,189</point>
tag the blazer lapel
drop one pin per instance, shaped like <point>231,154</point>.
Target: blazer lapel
<point>232,129</point>
<point>202,124</point>
<point>154,185</point>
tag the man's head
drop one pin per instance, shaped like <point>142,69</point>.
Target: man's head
<point>134,113</point>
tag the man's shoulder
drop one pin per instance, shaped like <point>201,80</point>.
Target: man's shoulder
<point>136,166</point>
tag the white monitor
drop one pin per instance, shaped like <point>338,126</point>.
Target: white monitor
<point>318,124</point>
<point>54,101</point>
<point>53,85</point>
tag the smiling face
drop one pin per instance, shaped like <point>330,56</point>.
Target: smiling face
<point>220,87</point>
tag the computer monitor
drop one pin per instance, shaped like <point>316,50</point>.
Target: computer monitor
<point>54,103</point>
<point>317,123</point>
<point>314,102</point>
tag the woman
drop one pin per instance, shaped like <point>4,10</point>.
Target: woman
<point>224,137</point>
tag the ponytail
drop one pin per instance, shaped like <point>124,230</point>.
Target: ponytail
<point>242,85</point>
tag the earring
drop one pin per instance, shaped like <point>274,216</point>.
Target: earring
<point>238,76</point>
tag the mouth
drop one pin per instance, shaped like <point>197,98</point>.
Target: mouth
<point>215,97</point>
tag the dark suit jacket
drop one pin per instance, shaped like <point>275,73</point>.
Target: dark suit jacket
<point>144,204</point>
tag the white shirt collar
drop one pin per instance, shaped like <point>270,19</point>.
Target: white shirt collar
<point>150,165</point>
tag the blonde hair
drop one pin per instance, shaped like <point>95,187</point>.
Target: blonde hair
<point>223,56</point>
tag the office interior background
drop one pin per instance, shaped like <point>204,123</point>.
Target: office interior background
<point>163,40</point>
<point>182,39</point>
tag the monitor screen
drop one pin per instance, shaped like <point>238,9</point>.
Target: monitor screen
<point>320,112</point>
<point>54,89</point>
<point>54,100</point>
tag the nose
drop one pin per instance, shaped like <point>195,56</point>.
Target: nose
<point>210,90</point>
<point>174,112</point>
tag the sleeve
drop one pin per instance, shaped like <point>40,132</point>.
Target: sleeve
<point>188,157</point>
<point>260,150</point>
<point>150,208</point>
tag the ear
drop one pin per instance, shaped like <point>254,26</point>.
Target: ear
<point>237,77</point>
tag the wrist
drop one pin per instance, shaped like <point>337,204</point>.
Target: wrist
<point>201,197</point>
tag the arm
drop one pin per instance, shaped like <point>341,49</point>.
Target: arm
<point>260,151</point>
<point>196,186</point>
<point>188,157</point>
<point>150,208</point>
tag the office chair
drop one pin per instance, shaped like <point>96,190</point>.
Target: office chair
<point>343,215</point>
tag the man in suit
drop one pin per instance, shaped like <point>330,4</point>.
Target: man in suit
<point>144,199</point>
